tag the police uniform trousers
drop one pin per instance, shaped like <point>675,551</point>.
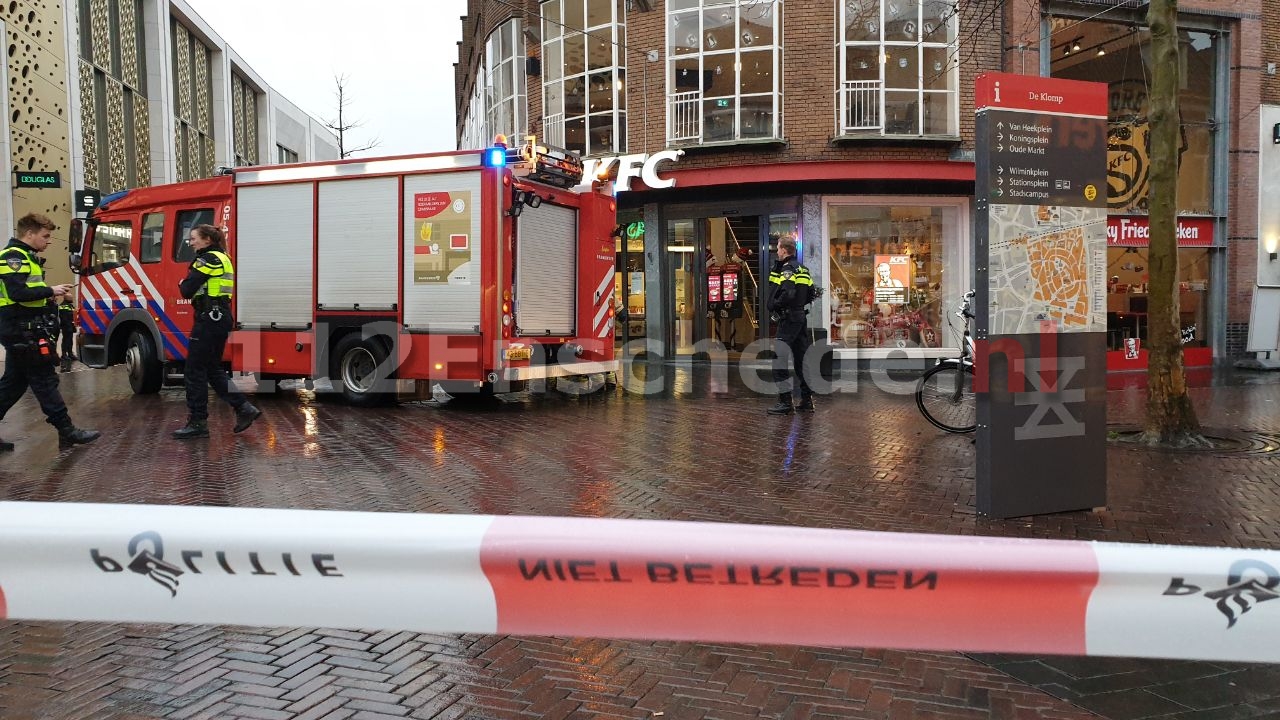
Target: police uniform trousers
<point>204,366</point>
<point>22,371</point>
<point>795,335</point>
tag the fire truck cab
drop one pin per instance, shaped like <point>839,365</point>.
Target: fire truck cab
<point>476,270</point>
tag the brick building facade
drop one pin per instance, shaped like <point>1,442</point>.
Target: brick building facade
<point>852,125</point>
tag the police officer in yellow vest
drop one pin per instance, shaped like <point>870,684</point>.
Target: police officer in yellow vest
<point>792,290</point>
<point>210,284</point>
<point>67,331</point>
<point>27,326</point>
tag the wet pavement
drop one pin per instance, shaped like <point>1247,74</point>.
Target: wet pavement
<point>699,448</point>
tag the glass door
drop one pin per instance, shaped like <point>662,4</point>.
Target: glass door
<point>772,228</point>
<point>686,275</point>
<point>733,277</point>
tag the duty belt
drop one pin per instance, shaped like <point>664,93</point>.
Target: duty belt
<point>204,302</point>
<point>214,307</point>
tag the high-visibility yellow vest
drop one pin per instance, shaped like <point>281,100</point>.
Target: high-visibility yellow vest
<point>222,278</point>
<point>15,261</point>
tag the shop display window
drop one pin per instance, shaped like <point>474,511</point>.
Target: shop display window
<point>1127,284</point>
<point>1120,55</point>
<point>894,274</point>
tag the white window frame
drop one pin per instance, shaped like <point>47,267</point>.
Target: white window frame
<point>861,106</point>
<point>685,109</point>
<point>554,120</point>
<point>474,136</point>
<point>515,104</point>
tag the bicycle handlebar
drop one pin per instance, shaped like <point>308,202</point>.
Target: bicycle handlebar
<point>963,311</point>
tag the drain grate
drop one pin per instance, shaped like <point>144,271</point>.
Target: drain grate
<point>1221,442</point>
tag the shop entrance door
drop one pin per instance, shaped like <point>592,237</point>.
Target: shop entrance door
<point>718,268</point>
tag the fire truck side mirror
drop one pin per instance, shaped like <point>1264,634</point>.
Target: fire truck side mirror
<point>75,240</point>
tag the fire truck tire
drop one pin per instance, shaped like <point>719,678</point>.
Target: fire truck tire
<point>359,368</point>
<point>142,364</point>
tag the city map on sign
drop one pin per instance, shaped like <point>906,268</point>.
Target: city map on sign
<point>1043,261</point>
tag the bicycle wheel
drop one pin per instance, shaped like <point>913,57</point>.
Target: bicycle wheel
<point>945,397</point>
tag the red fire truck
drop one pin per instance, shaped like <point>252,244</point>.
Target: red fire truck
<point>476,270</point>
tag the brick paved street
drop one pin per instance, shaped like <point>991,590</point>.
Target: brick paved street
<point>700,450</point>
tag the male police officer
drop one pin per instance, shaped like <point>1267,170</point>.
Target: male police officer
<point>26,330</point>
<point>67,331</point>
<point>792,291</point>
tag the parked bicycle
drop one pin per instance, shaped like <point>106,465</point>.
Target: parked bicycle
<point>944,394</point>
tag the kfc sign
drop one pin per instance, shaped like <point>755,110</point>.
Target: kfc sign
<point>1135,231</point>
<point>625,168</point>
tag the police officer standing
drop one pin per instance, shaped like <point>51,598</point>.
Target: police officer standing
<point>27,325</point>
<point>792,290</point>
<point>210,284</point>
<point>67,330</point>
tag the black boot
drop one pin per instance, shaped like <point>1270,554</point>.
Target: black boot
<point>72,435</point>
<point>783,407</point>
<point>806,404</point>
<point>66,364</point>
<point>245,415</point>
<point>193,429</point>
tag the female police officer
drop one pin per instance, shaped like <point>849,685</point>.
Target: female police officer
<point>210,284</point>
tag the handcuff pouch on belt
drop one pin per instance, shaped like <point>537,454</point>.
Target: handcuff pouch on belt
<point>212,307</point>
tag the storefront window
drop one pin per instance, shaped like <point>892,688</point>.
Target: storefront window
<point>1120,55</point>
<point>1127,297</point>
<point>895,273</point>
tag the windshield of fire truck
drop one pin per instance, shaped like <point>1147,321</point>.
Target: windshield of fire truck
<point>109,246</point>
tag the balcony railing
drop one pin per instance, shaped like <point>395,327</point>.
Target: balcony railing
<point>860,107</point>
<point>684,117</point>
<point>553,130</point>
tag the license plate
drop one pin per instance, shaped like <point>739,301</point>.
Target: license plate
<point>518,353</point>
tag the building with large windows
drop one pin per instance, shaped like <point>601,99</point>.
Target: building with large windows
<point>116,94</point>
<point>851,123</point>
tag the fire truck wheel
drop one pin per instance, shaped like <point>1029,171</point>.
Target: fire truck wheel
<point>145,373</point>
<point>360,365</point>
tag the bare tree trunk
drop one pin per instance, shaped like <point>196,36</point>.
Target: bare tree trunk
<point>1171,419</point>
<point>341,126</point>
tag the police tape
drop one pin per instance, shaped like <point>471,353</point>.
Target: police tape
<point>637,579</point>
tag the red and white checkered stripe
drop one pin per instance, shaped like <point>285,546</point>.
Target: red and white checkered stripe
<point>602,325</point>
<point>110,286</point>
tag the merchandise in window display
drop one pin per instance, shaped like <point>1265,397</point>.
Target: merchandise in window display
<point>883,300</point>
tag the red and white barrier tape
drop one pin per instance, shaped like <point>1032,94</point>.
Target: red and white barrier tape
<point>635,579</point>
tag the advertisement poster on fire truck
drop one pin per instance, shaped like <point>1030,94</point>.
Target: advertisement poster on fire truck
<point>892,278</point>
<point>442,238</point>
